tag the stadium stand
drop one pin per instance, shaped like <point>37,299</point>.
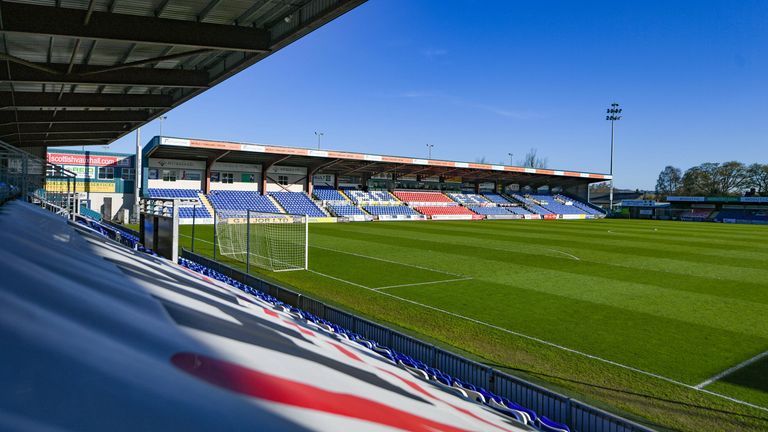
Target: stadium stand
<point>518,210</point>
<point>501,211</point>
<point>326,193</point>
<point>360,197</point>
<point>742,215</point>
<point>468,198</point>
<point>551,204</point>
<point>345,210</point>
<point>530,205</point>
<point>391,210</point>
<point>298,203</point>
<point>697,214</point>
<point>186,210</point>
<point>423,197</point>
<point>496,198</point>
<point>435,212</point>
<point>172,193</point>
<point>587,208</point>
<point>241,200</point>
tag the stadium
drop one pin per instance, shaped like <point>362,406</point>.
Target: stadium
<point>205,284</point>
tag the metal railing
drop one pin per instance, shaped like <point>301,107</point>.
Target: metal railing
<point>25,175</point>
<point>580,416</point>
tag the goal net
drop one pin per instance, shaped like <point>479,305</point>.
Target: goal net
<point>273,241</point>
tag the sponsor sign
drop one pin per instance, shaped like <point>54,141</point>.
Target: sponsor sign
<point>176,163</point>
<point>638,203</point>
<point>88,159</point>
<point>287,170</point>
<point>82,171</point>
<point>492,217</point>
<point>452,217</point>
<point>81,186</point>
<point>754,199</point>
<point>686,198</point>
<point>236,167</point>
<point>550,216</point>
<point>323,179</point>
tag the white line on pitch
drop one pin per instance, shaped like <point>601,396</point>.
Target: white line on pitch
<point>731,370</point>
<point>565,253</point>
<point>571,350</point>
<point>196,239</point>
<point>386,260</point>
<point>341,280</point>
<point>421,283</point>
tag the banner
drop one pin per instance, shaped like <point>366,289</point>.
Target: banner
<point>81,186</point>
<point>88,159</point>
<point>452,217</point>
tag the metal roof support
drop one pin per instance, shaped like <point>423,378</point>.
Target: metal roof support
<point>64,128</point>
<point>44,20</point>
<point>95,75</point>
<point>83,100</point>
<point>30,117</point>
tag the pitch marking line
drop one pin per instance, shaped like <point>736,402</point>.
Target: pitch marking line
<point>421,283</point>
<point>341,280</point>
<point>731,370</point>
<point>565,253</point>
<point>388,261</point>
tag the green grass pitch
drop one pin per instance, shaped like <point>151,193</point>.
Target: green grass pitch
<point>665,304</point>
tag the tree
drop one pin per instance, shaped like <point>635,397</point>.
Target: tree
<point>757,175</point>
<point>695,181</point>
<point>731,177</point>
<point>669,181</point>
<point>532,160</point>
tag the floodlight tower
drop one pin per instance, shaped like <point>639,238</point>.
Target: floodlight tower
<point>613,115</point>
<point>162,119</point>
<point>429,150</point>
<point>319,135</point>
<point>510,158</point>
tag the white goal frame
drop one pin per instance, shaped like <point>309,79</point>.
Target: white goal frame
<point>273,241</point>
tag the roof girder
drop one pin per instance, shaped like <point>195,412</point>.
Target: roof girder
<point>53,21</point>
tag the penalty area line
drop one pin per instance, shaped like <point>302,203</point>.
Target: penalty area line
<point>421,283</point>
<point>731,370</point>
<point>387,261</point>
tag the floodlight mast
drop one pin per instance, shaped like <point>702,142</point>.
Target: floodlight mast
<point>613,115</point>
<point>429,150</point>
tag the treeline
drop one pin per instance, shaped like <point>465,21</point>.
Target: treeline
<point>714,179</point>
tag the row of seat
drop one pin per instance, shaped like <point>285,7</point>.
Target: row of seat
<point>423,197</point>
<point>300,203</point>
<point>452,384</point>
<point>445,210</point>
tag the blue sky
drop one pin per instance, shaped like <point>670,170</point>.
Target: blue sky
<point>486,78</point>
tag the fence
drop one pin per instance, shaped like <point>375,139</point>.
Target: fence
<point>579,416</point>
<point>24,174</point>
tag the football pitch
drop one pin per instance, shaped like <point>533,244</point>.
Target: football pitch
<point>666,321</point>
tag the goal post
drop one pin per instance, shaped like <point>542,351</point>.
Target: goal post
<point>273,241</point>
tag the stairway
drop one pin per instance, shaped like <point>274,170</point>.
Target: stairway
<point>204,201</point>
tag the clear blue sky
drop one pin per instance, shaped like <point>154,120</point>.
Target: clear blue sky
<point>485,78</point>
